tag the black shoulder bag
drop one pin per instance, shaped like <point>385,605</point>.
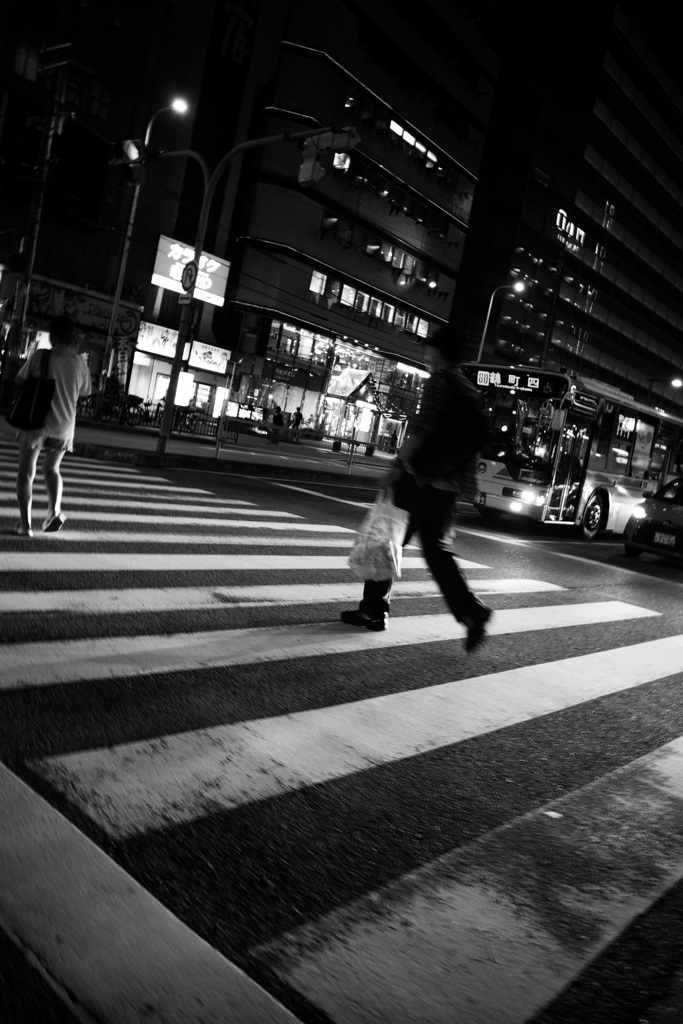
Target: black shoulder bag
<point>32,402</point>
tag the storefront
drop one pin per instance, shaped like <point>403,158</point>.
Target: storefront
<point>343,389</point>
<point>203,379</point>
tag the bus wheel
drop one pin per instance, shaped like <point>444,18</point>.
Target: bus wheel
<point>591,524</point>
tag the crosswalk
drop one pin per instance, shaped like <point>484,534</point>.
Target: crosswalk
<point>372,826</point>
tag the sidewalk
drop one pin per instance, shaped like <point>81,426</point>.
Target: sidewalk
<point>252,455</point>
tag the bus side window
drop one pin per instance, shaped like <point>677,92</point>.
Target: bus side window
<point>602,448</point>
<point>660,451</point>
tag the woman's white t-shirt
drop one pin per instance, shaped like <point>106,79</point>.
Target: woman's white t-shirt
<point>72,381</point>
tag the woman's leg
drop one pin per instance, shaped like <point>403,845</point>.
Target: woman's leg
<point>53,481</point>
<point>26,471</point>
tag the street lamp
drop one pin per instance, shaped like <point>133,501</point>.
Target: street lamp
<point>675,383</point>
<point>518,287</point>
<point>179,106</point>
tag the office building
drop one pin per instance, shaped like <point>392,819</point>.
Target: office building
<point>580,198</point>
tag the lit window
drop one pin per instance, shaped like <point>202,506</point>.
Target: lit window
<point>348,295</point>
<point>400,318</point>
<point>318,282</point>
<point>362,302</point>
<point>410,139</point>
<point>388,313</point>
<point>395,128</point>
<point>422,328</point>
<point>375,308</point>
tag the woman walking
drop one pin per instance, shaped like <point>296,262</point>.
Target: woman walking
<point>70,373</point>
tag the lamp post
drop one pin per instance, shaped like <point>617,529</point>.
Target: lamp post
<point>180,107</point>
<point>518,287</point>
<point>675,383</point>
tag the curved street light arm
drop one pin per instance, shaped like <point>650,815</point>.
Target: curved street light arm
<point>210,184</point>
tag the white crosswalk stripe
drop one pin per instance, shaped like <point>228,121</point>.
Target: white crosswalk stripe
<point>112,666</point>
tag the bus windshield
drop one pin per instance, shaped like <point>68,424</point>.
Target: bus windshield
<point>523,407</point>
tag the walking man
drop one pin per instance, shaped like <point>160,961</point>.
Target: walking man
<point>435,465</point>
<point>72,381</point>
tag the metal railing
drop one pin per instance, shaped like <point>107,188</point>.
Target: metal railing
<point>192,423</point>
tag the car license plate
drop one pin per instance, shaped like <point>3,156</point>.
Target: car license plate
<point>666,539</point>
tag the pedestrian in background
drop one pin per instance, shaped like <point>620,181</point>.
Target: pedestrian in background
<point>435,465</point>
<point>278,424</point>
<point>70,373</point>
<point>296,425</point>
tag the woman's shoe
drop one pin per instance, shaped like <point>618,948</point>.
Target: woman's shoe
<point>23,531</point>
<point>54,523</point>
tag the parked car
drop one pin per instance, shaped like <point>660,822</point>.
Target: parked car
<point>656,524</point>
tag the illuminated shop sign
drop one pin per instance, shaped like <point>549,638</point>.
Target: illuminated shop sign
<point>568,233</point>
<point>170,261</point>
<point>208,357</point>
<point>159,341</point>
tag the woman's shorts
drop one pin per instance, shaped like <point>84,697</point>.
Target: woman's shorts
<point>41,439</point>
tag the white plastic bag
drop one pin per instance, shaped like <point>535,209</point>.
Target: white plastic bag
<point>377,551</point>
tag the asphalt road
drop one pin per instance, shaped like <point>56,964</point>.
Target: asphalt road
<point>370,827</point>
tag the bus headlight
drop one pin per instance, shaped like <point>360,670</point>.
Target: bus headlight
<point>528,496</point>
<point>516,506</point>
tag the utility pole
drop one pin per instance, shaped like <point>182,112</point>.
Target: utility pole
<point>52,128</point>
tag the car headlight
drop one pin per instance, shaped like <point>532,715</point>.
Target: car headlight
<point>639,512</point>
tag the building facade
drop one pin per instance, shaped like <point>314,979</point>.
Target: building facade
<point>580,199</point>
<point>333,285</point>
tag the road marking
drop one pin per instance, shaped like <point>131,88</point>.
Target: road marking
<point>132,517</point>
<point>95,483</point>
<point>193,539</point>
<point>145,785</point>
<point>107,940</point>
<point>318,494</point>
<point>65,661</point>
<point>496,930</point>
<point>103,561</point>
<point>149,599</point>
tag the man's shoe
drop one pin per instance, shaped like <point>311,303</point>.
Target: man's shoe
<point>359,618</point>
<point>476,631</point>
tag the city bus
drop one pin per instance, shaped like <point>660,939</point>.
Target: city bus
<point>568,449</point>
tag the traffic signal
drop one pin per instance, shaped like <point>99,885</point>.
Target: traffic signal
<point>131,155</point>
<point>325,144</point>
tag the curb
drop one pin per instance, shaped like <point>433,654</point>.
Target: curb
<point>140,457</point>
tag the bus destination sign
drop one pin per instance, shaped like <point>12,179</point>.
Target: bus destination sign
<point>504,379</point>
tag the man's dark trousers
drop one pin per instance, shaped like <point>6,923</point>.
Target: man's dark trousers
<point>431,512</point>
